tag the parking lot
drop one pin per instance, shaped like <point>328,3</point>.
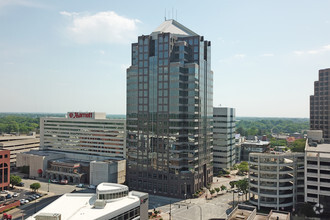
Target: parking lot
<point>49,191</point>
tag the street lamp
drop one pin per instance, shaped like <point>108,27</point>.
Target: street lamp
<point>35,205</point>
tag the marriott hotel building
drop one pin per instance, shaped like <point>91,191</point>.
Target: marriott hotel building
<point>170,112</point>
<point>88,133</point>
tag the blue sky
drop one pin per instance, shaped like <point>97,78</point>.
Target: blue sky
<point>59,56</point>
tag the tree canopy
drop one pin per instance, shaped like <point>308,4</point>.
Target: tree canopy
<point>15,180</point>
<point>266,126</point>
<point>35,186</point>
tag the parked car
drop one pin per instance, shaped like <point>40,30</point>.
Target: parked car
<point>80,185</point>
<point>40,195</point>
<point>54,181</point>
<point>15,195</point>
<point>35,195</point>
<point>64,182</point>
<point>4,192</point>
<point>91,187</point>
<point>20,184</point>
<point>8,196</point>
<point>23,201</point>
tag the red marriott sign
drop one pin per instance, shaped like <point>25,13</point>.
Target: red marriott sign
<point>80,115</point>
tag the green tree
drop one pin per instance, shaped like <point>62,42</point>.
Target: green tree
<point>243,167</point>
<point>243,185</point>
<point>35,186</point>
<point>223,188</point>
<point>298,145</point>
<point>274,142</point>
<point>232,184</point>
<point>217,189</point>
<point>14,180</point>
<point>212,191</point>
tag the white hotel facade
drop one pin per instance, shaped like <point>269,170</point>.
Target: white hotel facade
<point>88,133</point>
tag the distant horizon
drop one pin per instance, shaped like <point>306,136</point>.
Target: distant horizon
<point>125,114</point>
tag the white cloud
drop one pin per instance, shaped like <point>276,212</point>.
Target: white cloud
<point>317,51</point>
<point>102,52</point>
<point>102,27</point>
<point>240,56</point>
<point>267,55</point>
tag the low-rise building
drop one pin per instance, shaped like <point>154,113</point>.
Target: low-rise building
<point>276,180</point>
<point>74,168</point>
<point>253,146</point>
<point>19,144</point>
<point>111,201</point>
<point>246,212</point>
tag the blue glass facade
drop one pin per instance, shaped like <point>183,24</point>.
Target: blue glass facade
<point>169,114</point>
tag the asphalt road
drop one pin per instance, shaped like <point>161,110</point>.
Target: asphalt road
<point>32,207</point>
<point>199,207</point>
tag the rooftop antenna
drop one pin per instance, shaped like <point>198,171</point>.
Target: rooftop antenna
<point>165,14</point>
<point>176,15</point>
<point>172,13</point>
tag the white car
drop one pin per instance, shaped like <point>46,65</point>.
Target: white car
<point>91,187</point>
<point>80,185</point>
<point>15,195</point>
<point>23,201</point>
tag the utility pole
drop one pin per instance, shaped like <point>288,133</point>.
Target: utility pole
<point>170,209</point>
<point>233,200</point>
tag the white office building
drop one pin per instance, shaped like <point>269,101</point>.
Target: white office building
<point>317,170</point>
<point>276,180</point>
<point>110,202</point>
<point>224,155</point>
<point>88,133</point>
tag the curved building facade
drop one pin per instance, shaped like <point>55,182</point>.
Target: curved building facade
<point>276,180</point>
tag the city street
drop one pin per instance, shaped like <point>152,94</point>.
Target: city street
<point>198,208</point>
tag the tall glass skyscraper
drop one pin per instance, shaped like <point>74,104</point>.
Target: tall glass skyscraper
<point>170,112</point>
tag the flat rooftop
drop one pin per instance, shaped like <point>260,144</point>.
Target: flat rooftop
<point>253,142</point>
<point>16,137</point>
<point>322,149</point>
<point>278,215</point>
<point>242,212</point>
<point>42,153</point>
<point>15,142</point>
<point>77,206</point>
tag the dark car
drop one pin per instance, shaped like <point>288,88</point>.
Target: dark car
<point>8,196</point>
<point>20,184</point>
<point>2,198</point>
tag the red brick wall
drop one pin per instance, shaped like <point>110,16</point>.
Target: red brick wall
<point>16,203</point>
<point>4,167</point>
